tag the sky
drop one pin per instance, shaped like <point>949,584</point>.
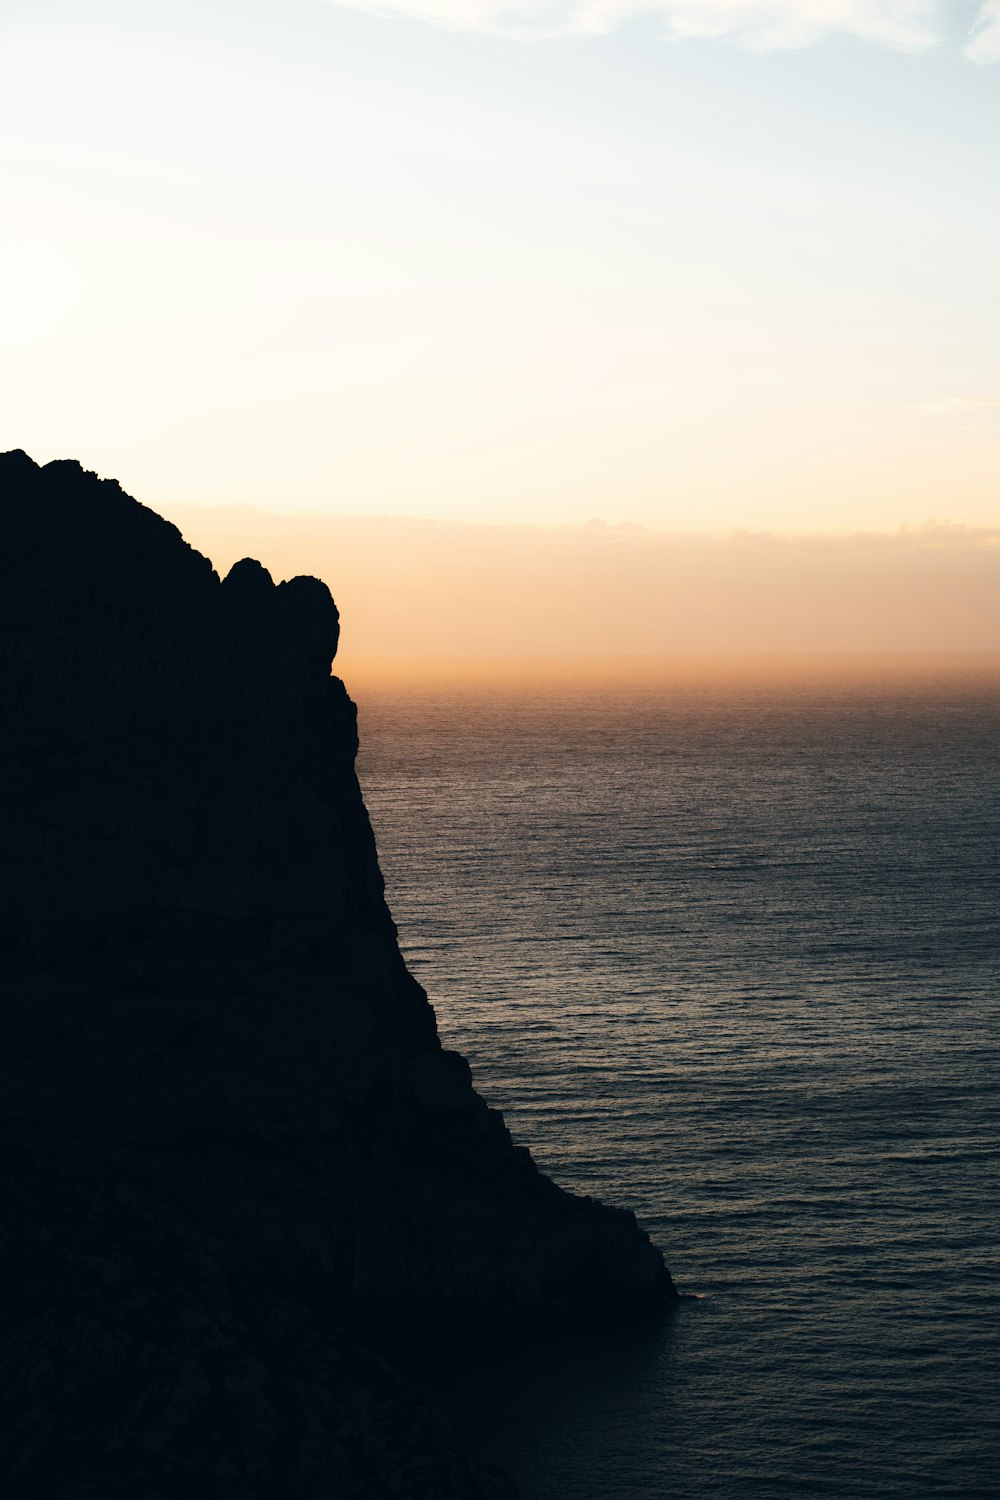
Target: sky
<point>694,266</point>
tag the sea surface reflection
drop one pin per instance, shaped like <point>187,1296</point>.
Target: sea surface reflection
<point>728,956</point>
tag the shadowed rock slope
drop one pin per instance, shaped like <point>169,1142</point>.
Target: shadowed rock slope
<point>140,1358</point>
<point>202,991</point>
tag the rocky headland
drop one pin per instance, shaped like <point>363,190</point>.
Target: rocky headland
<point>229,1123</point>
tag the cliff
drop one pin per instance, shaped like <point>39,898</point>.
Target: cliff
<point>202,989</point>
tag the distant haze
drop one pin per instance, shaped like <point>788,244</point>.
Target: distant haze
<point>415,593</point>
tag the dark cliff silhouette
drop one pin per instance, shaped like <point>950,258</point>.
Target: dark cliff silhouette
<point>228,1118</point>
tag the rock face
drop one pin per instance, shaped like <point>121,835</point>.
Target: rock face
<point>141,1358</point>
<point>200,977</point>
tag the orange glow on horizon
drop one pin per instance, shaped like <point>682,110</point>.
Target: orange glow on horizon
<point>423,599</point>
<point>795,671</point>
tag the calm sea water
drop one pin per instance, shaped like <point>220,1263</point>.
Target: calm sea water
<point>728,956</point>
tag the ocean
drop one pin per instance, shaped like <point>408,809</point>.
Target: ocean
<point>726,953</point>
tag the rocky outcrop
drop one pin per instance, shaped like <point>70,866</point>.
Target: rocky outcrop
<point>200,977</point>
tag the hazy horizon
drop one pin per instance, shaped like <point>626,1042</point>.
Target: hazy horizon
<point>432,597</point>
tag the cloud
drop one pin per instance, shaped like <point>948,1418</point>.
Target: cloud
<point>985,44</point>
<point>761,25</point>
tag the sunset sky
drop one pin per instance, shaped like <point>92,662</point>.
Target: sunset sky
<point>693,266</point>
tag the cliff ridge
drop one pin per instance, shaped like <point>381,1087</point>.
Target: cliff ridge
<point>202,985</point>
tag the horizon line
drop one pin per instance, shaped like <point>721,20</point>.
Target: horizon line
<point>666,666</point>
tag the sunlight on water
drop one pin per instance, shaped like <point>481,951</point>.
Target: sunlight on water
<point>729,958</point>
